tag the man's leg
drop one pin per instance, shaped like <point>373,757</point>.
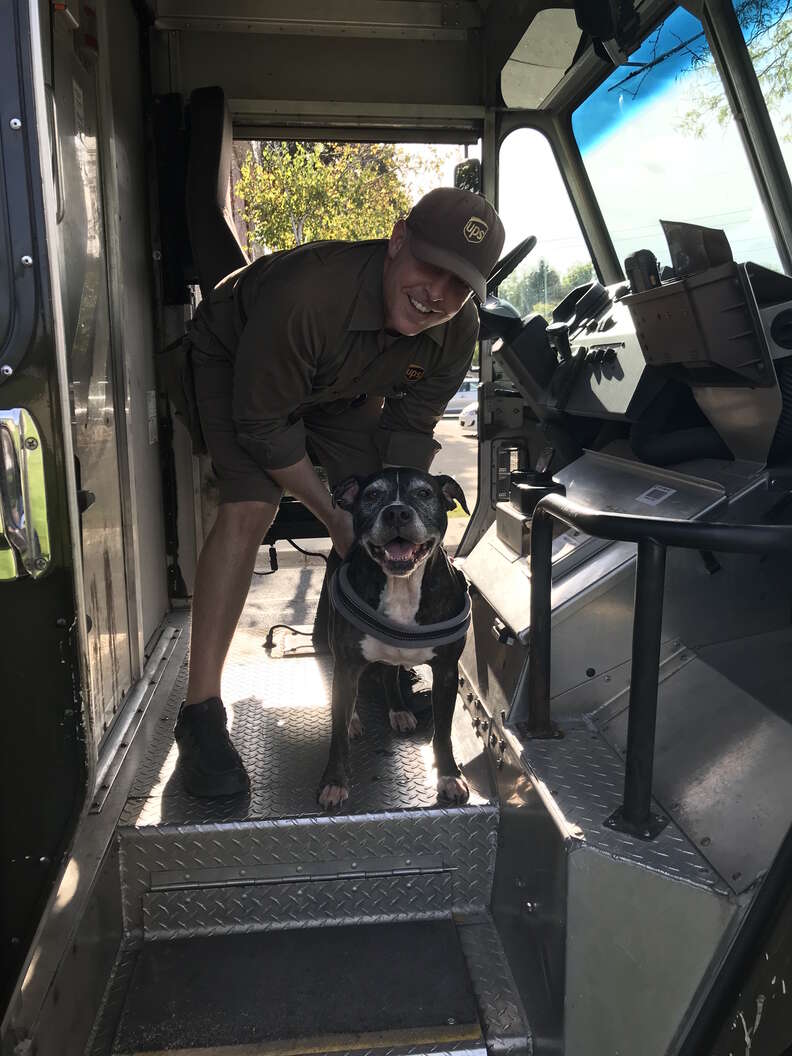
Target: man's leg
<point>222,581</point>
<point>208,761</point>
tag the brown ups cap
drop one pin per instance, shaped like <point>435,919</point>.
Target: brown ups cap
<point>459,231</point>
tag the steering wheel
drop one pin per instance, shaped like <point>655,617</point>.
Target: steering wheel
<point>507,264</point>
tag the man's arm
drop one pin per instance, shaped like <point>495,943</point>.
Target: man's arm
<point>274,368</point>
<point>302,481</point>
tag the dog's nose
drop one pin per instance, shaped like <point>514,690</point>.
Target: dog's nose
<point>396,514</point>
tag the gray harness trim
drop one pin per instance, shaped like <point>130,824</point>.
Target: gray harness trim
<point>352,607</point>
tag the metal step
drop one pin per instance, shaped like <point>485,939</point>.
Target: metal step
<point>273,859</point>
<point>501,1026</point>
<point>296,873</point>
<point>294,992</point>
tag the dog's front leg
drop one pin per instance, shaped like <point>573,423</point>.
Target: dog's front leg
<point>451,786</point>
<point>334,786</point>
<point>400,717</point>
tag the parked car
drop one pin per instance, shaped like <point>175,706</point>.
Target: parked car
<point>462,396</point>
<point>468,417</point>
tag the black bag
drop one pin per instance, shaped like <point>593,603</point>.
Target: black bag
<point>176,377</point>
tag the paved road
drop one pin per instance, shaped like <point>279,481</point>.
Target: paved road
<point>459,459</point>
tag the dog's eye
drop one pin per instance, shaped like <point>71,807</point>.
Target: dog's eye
<point>424,493</point>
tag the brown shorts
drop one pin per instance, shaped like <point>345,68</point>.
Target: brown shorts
<point>343,444</point>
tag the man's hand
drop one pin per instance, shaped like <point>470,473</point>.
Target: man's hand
<point>303,483</point>
<point>341,532</point>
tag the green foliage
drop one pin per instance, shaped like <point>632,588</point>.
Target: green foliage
<point>296,192</point>
<point>767,28</point>
<point>540,288</point>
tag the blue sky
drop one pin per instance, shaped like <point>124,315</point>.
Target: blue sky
<point>609,107</point>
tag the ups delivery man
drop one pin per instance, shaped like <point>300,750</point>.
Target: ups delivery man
<point>340,354</point>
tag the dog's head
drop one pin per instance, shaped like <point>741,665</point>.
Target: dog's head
<point>400,515</point>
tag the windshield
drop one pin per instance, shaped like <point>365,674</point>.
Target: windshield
<point>655,150</point>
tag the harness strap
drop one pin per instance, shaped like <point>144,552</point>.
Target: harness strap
<point>351,606</point>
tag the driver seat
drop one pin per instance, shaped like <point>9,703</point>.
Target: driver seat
<point>215,247</point>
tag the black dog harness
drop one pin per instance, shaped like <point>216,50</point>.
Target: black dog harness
<point>352,607</point>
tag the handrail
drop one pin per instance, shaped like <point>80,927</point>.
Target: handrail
<point>653,535</point>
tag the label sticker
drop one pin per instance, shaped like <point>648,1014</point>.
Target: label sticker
<point>655,495</point>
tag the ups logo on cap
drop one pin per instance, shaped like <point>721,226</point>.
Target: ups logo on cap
<point>475,230</point>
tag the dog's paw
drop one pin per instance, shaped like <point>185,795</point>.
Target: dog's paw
<point>402,721</point>
<point>355,727</point>
<point>452,789</point>
<point>332,796</point>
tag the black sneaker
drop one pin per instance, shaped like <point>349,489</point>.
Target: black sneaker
<point>209,763</point>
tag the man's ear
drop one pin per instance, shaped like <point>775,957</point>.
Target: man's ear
<point>452,492</point>
<point>397,238</point>
<point>345,493</point>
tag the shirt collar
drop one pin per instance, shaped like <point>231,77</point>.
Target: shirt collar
<point>368,311</point>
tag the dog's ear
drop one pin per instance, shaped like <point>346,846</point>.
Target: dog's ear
<point>452,492</point>
<point>345,493</point>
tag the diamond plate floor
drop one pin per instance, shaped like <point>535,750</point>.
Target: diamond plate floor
<point>279,717</point>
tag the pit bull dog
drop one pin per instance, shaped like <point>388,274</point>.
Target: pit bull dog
<point>396,600</point>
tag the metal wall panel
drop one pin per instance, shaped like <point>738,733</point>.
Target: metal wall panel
<point>84,289</point>
<point>638,946</point>
<point>136,309</point>
<point>256,66</point>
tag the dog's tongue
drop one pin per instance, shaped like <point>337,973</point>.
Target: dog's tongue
<point>399,550</point>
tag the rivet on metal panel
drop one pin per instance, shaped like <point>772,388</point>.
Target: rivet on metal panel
<point>27,261</point>
<point>15,123</point>
<point>40,563</point>
<point>31,443</point>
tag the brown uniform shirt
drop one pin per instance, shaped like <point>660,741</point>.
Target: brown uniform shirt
<point>305,329</point>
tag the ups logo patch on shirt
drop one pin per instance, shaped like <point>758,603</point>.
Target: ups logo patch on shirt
<point>414,372</point>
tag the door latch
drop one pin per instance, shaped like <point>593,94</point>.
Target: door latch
<point>24,527</point>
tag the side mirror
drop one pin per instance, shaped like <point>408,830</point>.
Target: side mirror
<point>467,175</point>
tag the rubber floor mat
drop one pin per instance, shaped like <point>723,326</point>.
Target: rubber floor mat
<point>317,989</point>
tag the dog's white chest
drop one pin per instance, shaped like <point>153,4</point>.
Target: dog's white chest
<point>399,602</point>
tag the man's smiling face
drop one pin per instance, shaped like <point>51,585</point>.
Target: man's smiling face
<point>417,295</point>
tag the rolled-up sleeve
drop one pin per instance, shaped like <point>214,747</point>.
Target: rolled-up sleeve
<point>273,375</point>
<point>405,434</point>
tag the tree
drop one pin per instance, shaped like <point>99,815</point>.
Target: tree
<point>767,29</point>
<point>577,275</point>
<point>539,289</point>
<point>296,192</point>
<point>768,35</point>
<point>526,287</point>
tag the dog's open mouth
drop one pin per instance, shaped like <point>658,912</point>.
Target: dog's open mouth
<point>400,555</point>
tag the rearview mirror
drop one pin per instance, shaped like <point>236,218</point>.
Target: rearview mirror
<point>467,175</point>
